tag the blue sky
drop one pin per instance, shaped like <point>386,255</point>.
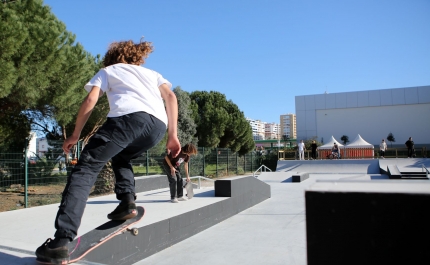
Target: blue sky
<point>261,54</point>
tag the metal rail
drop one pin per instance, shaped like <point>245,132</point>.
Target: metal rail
<point>262,167</point>
<point>199,180</point>
<point>426,170</point>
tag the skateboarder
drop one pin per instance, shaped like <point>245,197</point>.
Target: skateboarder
<point>137,121</point>
<point>171,166</point>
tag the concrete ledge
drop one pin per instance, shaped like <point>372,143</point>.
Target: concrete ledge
<point>372,222</point>
<point>244,192</point>
<point>234,187</point>
<point>393,172</point>
<point>299,177</point>
<point>149,183</point>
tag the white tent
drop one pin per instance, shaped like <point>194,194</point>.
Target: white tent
<point>359,143</point>
<point>330,143</point>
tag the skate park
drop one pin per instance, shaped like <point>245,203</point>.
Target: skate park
<point>259,219</point>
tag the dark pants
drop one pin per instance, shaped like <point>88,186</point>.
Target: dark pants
<point>175,182</point>
<point>410,152</point>
<point>382,153</point>
<point>120,139</point>
<point>314,154</point>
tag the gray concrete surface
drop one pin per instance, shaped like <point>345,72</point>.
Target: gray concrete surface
<point>272,232</point>
<point>341,166</point>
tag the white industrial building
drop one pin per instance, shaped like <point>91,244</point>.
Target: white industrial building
<point>405,112</point>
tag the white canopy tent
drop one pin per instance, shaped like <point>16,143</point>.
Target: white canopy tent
<point>330,143</point>
<point>359,143</point>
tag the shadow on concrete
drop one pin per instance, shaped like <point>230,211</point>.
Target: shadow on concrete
<point>379,177</point>
<point>281,168</point>
<point>209,193</point>
<point>288,180</point>
<point>9,259</point>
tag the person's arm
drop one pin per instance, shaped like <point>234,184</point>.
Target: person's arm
<point>169,97</point>
<point>186,171</point>
<point>84,113</point>
<point>172,168</point>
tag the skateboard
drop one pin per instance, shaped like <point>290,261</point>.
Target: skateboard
<point>84,244</point>
<point>188,186</point>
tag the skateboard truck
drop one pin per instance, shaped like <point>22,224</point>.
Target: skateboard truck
<point>134,231</point>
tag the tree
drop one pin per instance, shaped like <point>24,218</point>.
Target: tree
<point>345,139</point>
<point>308,142</point>
<point>186,125</point>
<point>391,139</point>
<point>220,123</point>
<point>286,139</point>
<point>43,71</point>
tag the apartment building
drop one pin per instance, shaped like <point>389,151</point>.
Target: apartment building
<point>272,131</point>
<point>288,126</point>
<point>258,129</point>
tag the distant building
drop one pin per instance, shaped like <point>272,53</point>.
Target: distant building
<point>272,131</point>
<point>258,129</point>
<point>288,126</point>
<point>373,114</point>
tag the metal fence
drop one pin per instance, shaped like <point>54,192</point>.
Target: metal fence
<point>421,152</point>
<point>28,179</point>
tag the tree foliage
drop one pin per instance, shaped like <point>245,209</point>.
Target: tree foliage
<point>308,142</point>
<point>220,123</point>
<point>345,139</point>
<point>186,125</point>
<point>391,138</point>
<point>43,70</point>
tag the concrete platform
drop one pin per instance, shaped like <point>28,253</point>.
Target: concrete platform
<point>341,166</point>
<point>405,164</point>
<point>271,232</point>
<point>22,231</point>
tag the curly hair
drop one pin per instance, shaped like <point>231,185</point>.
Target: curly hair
<point>190,149</point>
<point>127,52</point>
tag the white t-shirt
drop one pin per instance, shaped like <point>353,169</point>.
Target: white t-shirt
<point>131,88</point>
<point>301,146</point>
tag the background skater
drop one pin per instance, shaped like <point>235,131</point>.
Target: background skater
<point>171,166</point>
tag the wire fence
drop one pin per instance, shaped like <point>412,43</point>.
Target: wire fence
<point>28,179</point>
<point>421,152</point>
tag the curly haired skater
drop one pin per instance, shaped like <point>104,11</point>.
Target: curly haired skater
<point>127,52</point>
<point>142,108</point>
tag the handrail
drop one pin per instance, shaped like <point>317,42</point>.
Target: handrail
<point>427,171</point>
<point>199,180</point>
<point>262,166</point>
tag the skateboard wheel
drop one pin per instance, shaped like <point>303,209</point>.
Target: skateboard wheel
<point>134,231</point>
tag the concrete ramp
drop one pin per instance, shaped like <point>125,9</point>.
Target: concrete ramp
<point>163,225</point>
<point>404,164</point>
<point>342,166</point>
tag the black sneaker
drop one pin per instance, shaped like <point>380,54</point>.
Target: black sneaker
<point>57,256</point>
<point>123,211</point>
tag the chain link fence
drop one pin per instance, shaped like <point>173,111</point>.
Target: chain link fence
<point>28,179</point>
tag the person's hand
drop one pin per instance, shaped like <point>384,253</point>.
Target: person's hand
<point>188,179</point>
<point>173,171</point>
<point>69,143</point>
<point>173,145</point>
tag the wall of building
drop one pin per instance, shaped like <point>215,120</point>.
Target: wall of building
<point>372,114</point>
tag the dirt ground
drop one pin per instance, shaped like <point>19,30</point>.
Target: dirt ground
<point>13,198</point>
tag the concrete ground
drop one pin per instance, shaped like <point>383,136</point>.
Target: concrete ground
<point>272,232</point>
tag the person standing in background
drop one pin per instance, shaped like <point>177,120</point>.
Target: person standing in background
<point>314,150</point>
<point>383,148</point>
<point>301,148</point>
<point>410,145</point>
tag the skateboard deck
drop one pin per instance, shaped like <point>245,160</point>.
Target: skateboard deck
<point>84,244</point>
<point>189,189</point>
